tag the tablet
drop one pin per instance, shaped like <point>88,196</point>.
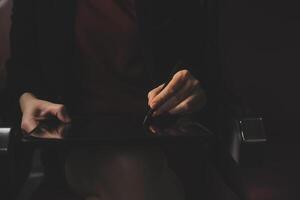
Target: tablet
<point>119,129</point>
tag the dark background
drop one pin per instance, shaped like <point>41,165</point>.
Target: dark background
<point>261,52</point>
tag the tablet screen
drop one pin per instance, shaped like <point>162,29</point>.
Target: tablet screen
<point>118,128</point>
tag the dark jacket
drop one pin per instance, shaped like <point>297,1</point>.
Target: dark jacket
<point>43,52</point>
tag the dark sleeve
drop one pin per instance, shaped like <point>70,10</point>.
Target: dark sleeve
<point>24,72</point>
<point>198,46</point>
<point>199,51</point>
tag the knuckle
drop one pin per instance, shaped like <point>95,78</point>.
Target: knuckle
<point>182,75</point>
<point>150,94</point>
<point>185,73</point>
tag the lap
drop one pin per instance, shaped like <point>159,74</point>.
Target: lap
<point>132,171</point>
<point>50,189</point>
<point>87,168</point>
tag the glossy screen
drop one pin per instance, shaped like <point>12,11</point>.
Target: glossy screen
<point>119,129</point>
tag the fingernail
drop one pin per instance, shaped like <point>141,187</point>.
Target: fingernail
<point>152,129</point>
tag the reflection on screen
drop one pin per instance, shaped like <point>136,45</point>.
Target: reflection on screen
<point>116,128</point>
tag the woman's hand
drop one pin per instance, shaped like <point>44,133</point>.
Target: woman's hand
<point>183,94</point>
<point>35,110</point>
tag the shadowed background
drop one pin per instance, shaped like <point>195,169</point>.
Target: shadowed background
<point>261,52</point>
<point>5,11</point>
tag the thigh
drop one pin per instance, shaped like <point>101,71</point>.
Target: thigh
<point>51,190</point>
<point>136,172</point>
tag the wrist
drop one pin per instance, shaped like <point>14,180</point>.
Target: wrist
<point>27,96</point>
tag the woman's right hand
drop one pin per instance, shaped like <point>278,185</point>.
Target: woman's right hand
<point>35,110</point>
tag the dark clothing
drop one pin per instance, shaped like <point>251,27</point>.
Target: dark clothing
<point>44,54</point>
<point>114,78</point>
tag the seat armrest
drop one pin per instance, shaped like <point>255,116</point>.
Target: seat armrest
<point>248,141</point>
<point>15,159</point>
<point>5,132</point>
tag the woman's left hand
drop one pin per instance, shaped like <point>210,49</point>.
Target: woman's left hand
<point>182,95</point>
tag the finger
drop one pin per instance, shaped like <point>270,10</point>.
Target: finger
<point>154,92</point>
<point>175,84</point>
<point>61,130</point>
<point>179,96</point>
<point>63,116</point>
<point>191,104</point>
<point>153,129</point>
<point>60,112</point>
<point>28,123</point>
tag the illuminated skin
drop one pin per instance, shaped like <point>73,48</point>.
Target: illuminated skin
<point>34,110</point>
<point>183,94</point>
